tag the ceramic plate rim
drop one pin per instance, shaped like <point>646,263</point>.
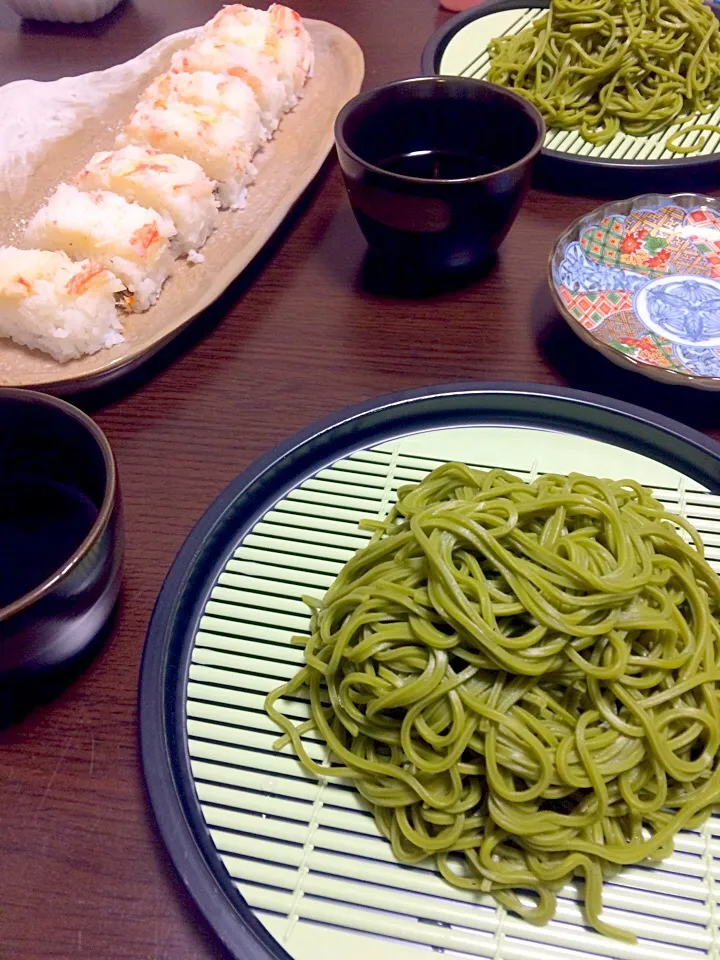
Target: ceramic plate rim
<point>170,637</point>
<point>572,233</point>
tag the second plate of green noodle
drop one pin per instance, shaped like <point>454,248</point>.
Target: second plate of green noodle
<point>671,124</point>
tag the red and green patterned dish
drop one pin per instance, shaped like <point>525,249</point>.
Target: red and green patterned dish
<point>639,280</point>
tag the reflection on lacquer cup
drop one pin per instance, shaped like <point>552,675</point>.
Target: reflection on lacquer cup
<point>436,168</point>
<point>61,536</point>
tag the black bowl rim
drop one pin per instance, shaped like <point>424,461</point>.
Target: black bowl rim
<point>430,65</point>
<point>34,398</point>
<point>529,109</point>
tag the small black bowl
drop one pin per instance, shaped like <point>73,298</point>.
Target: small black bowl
<point>61,533</point>
<point>436,167</point>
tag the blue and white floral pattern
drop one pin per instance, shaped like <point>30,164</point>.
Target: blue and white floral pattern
<point>683,309</point>
<point>578,272</point>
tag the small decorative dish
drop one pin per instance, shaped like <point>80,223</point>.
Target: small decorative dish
<point>58,140</point>
<point>639,280</point>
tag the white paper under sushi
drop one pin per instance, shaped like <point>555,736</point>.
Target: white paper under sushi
<point>63,11</point>
<point>252,66</point>
<point>172,185</point>
<point>277,32</point>
<point>217,141</point>
<point>50,303</point>
<point>130,240</point>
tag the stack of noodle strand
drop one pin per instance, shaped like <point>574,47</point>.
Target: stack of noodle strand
<point>522,681</point>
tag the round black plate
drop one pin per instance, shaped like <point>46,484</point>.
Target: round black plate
<point>168,648</point>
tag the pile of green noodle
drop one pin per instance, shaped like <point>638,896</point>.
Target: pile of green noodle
<point>603,66</point>
<point>521,680</point>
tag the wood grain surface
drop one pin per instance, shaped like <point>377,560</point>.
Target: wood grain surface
<point>309,328</point>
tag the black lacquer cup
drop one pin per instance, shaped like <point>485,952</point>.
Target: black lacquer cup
<point>436,168</point>
<point>61,533</point>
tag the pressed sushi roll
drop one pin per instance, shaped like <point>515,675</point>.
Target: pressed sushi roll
<point>50,303</point>
<point>130,240</point>
<point>174,186</point>
<point>220,91</point>
<point>214,140</point>
<point>257,70</point>
<point>278,32</point>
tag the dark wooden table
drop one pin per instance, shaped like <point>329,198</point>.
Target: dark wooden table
<point>307,330</point>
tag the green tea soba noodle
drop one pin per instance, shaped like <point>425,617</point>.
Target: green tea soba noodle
<point>522,681</point>
<point>604,66</point>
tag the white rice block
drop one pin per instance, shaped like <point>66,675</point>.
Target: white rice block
<point>220,91</point>
<point>278,32</point>
<point>257,70</point>
<point>50,303</point>
<point>214,140</point>
<point>174,186</point>
<point>130,240</point>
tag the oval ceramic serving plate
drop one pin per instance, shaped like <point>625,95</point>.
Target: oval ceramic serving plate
<point>460,48</point>
<point>285,866</point>
<point>285,168</point>
<point>639,280</point>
